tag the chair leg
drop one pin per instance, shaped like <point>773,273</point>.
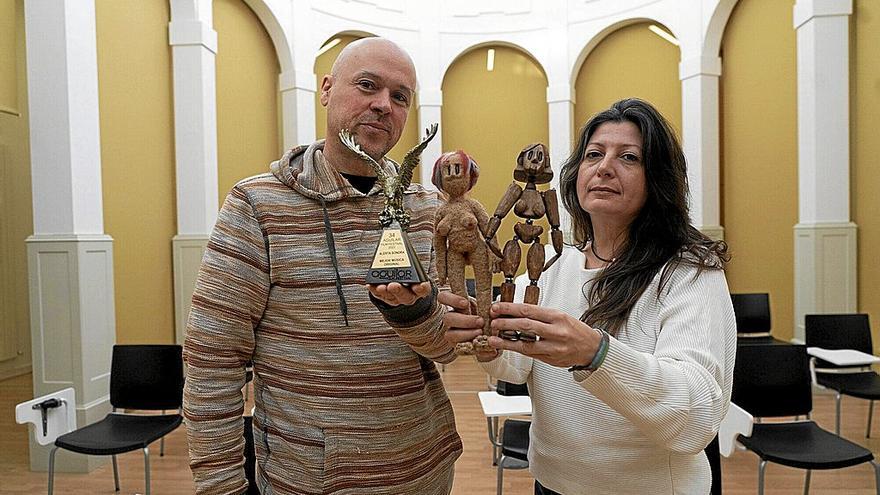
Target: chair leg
<point>876,476</point>
<point>115,473</point>
<point>500,475</point>
<point>492,424</point>
<point>761,465</point>
<point>807,481</point>
<point>147,470</point>
<point>52,468</point>
<point>162,440</point>
<point>837,421</point>
<point>870,417</point>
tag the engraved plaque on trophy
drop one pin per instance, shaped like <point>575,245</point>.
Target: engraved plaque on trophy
<point>395,259</point>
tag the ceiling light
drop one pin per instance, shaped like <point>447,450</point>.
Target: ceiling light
<point>330,44</point>
<point>663,34</point>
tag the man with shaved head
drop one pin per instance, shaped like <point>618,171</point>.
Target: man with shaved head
<point>369,91</point>
<point>347,399</point>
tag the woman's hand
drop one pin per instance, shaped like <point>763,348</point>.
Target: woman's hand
<point>395,294</point>
<point>562,340</point>
<point>461,326</point>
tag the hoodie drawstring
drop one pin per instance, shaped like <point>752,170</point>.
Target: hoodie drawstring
<point>343,305</point>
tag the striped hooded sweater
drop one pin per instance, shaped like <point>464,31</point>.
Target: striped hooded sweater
<point>344,403</point>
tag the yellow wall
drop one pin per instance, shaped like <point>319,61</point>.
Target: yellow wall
<point>8,72</point>
<point>137,159</point>
<point>759,154</point>
<point>411,133</point>
<point>492,116</point>
<point>629,62</point>
<point>247,95</point>
<point>865,189</point>
<point>16,212</point>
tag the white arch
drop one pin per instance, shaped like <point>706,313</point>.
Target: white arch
<point>269,12</point>
<point>715,28</point>
<point>446,64</point>
<point>594,41</point>
<point>357,33</point>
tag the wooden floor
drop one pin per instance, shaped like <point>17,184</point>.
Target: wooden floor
<point>474,471</point>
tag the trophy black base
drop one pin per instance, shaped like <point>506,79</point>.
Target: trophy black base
<point>395,260</point>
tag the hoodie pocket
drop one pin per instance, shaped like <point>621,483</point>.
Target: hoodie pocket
<point>294,458</point>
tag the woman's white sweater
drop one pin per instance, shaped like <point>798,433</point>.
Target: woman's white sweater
<point>640,422</point>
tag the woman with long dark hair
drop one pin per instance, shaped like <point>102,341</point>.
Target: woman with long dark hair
<point>631,372</point>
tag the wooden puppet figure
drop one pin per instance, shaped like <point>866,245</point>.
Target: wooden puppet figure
<point>460,237</point>
<point>532,167</point>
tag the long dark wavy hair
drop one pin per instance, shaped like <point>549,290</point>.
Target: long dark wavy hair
<point>660,238</point>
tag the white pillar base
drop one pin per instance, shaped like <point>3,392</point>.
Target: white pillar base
<point>73,329</point>
<point>187,255</point>
<point>825,276</point>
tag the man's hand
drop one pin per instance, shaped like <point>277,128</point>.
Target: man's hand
<point>460,325</point>
<point>395,294</point>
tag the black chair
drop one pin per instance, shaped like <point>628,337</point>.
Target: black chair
<point>507,388</point>
<point>470,286</point>
<point>142,377</point>
<point>713,454</point>
<point>514,448</point>
<point>752,313</point>
<point>493,423</point>
<point>774,381</point>
<point>844,331</point>
<point>514,435</point>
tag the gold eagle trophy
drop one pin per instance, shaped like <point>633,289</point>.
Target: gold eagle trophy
<point>395,259</point>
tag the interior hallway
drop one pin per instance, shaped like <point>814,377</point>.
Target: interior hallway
<point>474,471</point>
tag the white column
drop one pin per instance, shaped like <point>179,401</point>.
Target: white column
<point>297,107</point>
<point>430,95</point>
<point>193,49</point>
<point>430,108</point>
<point>700,131</point>
<point>70,259</point>
<point>560,111</point>
<point>825,238</point>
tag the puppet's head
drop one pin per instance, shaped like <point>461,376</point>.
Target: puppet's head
<point>533,165</point>
<point>455,173</point>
